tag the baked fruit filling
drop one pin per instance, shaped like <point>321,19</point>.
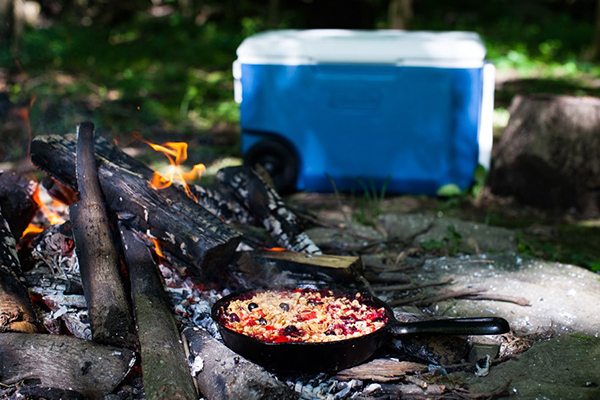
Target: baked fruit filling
<point>301,315</point>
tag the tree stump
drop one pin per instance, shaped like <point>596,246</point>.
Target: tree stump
<point>548,154</point>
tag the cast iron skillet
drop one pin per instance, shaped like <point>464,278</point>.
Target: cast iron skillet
<point>333,356</point>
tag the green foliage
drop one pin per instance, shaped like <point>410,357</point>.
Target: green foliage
<point>152,72</point>
<point>368,206</point>
<point>449,243</point>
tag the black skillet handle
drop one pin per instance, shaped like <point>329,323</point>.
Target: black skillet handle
<point>457,326</point>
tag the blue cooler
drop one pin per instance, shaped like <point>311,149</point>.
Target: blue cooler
<point>408,110</point>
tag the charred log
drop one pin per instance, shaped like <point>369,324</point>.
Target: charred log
<point>37,392</point>
<point>17,201</point>
<point>109,311</point>
<point>183,227</point>
<point>166,374</point>
<point>268,207</point>
<point>63,362</point>
<point>223,374</point>
<point>16,312</point>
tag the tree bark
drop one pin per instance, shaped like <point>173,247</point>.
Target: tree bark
<point>16,312</point>
<point>109,312</point>
<point>548,153</point>
<point>225,375</point>
<point>63,362</point>
<point>165,370</point>
<point>595,49</point>
<point>400,13</point>
<point>183,227</point>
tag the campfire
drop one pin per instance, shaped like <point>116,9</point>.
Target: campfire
<point>121,265</point>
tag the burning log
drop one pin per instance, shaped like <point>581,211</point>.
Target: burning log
<point>266,205</point>
<point>109,312</point>
<point>63,362</point>
<point>183,227</point>
<point>16,312</point>
<point>223,374</point>
<point>17,201</point>
<point>165,370</point>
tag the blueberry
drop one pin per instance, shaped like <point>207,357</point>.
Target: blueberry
<point>284,306</point>
<point>290,329</point>
<point>252,306</point>
<point>234,317</point>
<point>262,321</point>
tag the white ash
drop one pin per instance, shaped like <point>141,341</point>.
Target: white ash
<point>191,302</point>
<point>323,387</point>
<point>196,365</point>
<point>56,279</point>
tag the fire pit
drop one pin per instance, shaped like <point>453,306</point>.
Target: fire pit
<point>179,248</point>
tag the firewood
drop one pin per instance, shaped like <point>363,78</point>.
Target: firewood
<point>36,392</point>
<point>381,370</point>
<point>183,227</point>
<point>16,201</point>
<point>224,375</point>
<point>63,362</point>
<point>276,269</point>
<point>165,370</point>
<point>16,312</point>
<point>329,268</point>
<point>109,312</point>
<point>267,206</point>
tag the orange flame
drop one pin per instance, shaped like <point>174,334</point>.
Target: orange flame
<point>53,217</point>
<point>33,229</point>
<point>157,249</point>
<point>176,152</point>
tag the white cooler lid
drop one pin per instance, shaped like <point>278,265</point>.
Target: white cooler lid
<point>388,47</point>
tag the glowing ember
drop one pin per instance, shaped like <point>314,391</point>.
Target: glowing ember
<point>274,249</point>
<point>176,152</point>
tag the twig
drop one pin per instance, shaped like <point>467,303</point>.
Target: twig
<point>336,194</point>
<point>521,301</point>
<point>410,286</point>
<point>424,301</point>
<point>499,392</point>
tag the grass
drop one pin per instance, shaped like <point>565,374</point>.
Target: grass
<point>163,77</point>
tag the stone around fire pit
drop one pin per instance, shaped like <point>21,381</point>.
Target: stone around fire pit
<point>564,298</point>
<point>470,237</point>
<point>561,368</point>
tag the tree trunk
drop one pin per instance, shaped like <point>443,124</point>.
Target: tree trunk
<point>595,49</point>
<point>400,13</point>
<point>548,154</point>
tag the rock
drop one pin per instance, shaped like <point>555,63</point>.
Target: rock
<point>341,240</point>
<point>548,153</point>
<point>451,233</point>
<point>564,298</point>
<point>565,367</point>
